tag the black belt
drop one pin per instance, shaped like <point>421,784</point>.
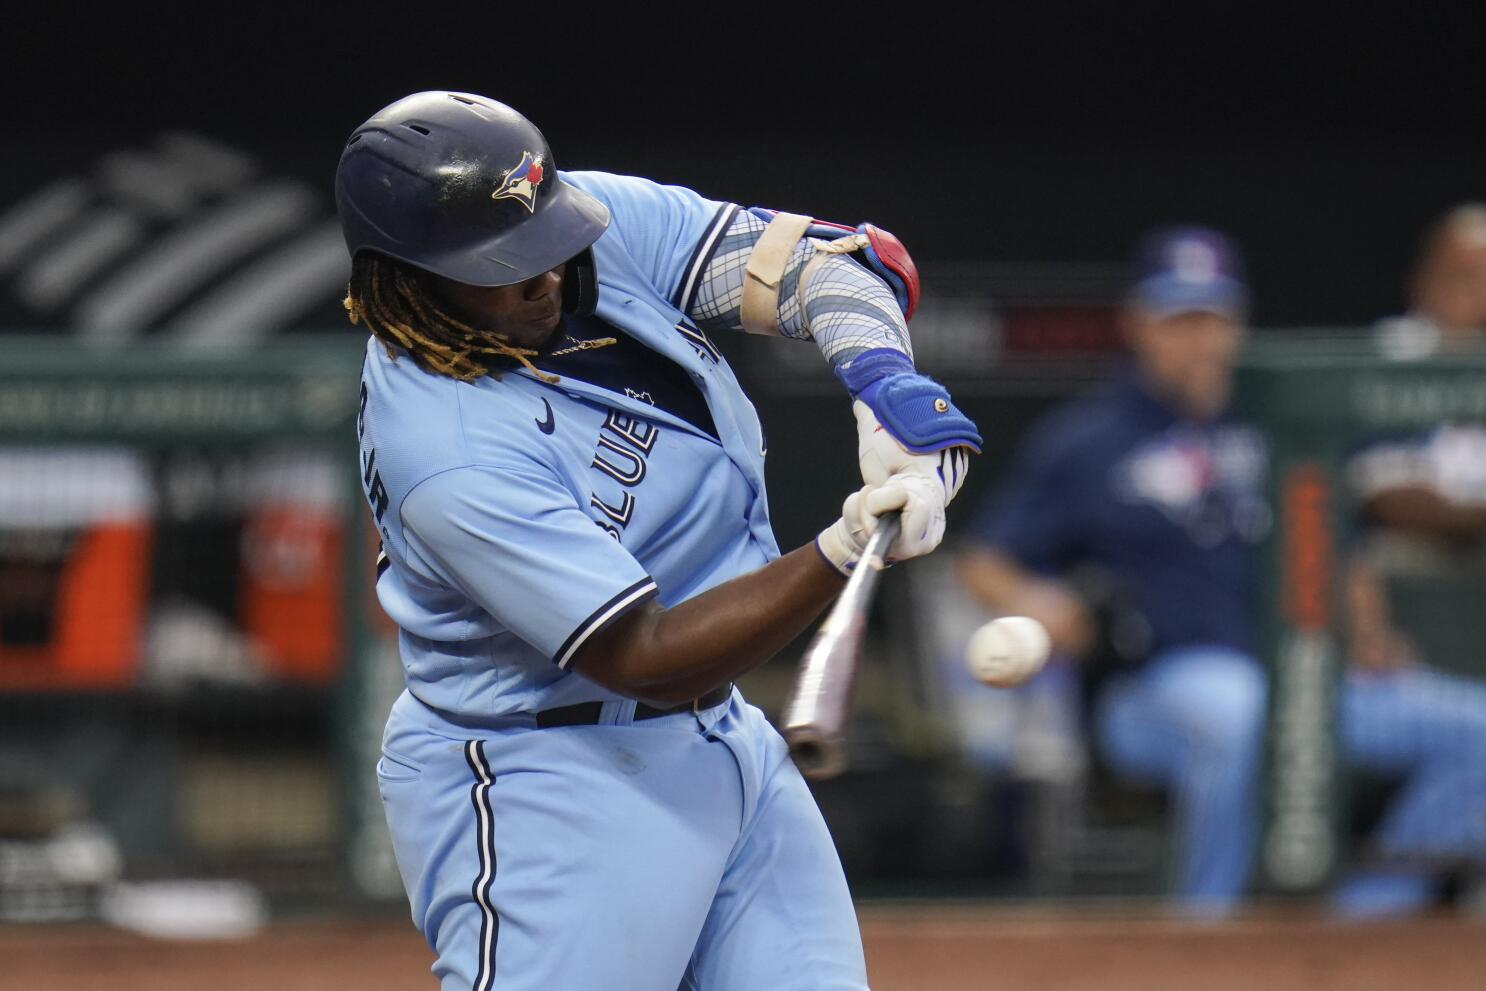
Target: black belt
<point>588,713</point>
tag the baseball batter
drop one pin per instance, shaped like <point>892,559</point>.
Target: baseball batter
<point>569,486</point>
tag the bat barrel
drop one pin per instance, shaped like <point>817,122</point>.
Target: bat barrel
<point>815,719</point>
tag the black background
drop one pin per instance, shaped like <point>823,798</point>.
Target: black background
<point>1323,140</point>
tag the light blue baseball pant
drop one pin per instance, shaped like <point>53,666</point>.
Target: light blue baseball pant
<point>1193,719</point>
<point>678,852</point>
<point>1430,729</point>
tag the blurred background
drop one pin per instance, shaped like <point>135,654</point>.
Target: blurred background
<point>193,671</point>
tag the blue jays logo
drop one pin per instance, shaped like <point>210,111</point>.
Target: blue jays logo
<point>1208,482</point>
<point>521,182</point>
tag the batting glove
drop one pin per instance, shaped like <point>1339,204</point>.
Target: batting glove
<point>918,499</point>
<point>880,456</point>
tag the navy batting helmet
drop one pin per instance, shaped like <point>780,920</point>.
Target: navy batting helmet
<point>464,187</point>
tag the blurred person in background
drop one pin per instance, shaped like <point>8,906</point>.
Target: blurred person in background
<point>1421,508</point>
<point>1129,526</point>
<point>1447,294</point>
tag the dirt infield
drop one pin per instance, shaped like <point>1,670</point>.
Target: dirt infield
<point>908,949</point>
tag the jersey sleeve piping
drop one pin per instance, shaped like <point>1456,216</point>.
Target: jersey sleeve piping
<point>706,245</point>
<point>603,617</point>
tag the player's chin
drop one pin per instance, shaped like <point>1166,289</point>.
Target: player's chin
<point>536,332</point>
<point>546,327</point>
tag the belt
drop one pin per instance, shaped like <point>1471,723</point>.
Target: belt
<point>588,713</point>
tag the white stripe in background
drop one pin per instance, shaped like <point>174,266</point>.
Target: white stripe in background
<point>28,222</point>
<point>139,293</point>
<point>74,486</point>
<point>269,293</point>
<point>56,276</point>
<point>156,185</point>
<point>170,180</point>
<point>213,164</point>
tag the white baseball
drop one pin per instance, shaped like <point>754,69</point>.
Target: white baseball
<point>1007,651</point>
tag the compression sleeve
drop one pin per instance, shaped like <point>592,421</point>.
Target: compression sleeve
<point>846,309</point>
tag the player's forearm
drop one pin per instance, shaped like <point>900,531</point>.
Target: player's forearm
<point>1375,643</point>
<point>671,655</point>
<point>1367,603</point>
<point>1420,510</point>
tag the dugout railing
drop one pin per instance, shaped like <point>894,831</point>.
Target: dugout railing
<point>1319,395</point>
<point>191,677</point>
<point>192,665</point>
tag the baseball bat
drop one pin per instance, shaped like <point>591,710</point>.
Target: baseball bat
<point>815,718</point>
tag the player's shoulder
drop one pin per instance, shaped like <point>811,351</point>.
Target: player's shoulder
<point>643,207</point>
<point>1083,425</point>
<point>629,191</point>
<point>657,233</point>
<point>423,424</point>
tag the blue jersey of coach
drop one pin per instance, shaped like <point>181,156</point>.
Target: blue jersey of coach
<point>1151,481</point>
<point>1172,505</point>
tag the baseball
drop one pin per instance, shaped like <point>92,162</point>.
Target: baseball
<point>1007,651</point>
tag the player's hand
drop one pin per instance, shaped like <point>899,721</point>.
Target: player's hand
<point>881,455</point>
<point>919,500</point>
<point>1383,649</point>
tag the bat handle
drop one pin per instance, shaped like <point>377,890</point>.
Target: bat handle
<point>874,555</point>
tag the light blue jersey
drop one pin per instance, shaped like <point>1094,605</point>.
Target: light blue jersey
<point>518,518</point>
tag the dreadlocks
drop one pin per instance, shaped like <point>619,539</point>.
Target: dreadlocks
<point>389,298</point>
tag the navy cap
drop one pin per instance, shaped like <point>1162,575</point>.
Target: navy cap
<point>1186,269</point>
<point>464,187</point>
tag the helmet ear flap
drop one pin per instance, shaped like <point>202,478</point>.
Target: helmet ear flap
<point>580,286</point>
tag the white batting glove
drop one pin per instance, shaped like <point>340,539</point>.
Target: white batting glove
<point>881,456</point>
<point>918,499</point>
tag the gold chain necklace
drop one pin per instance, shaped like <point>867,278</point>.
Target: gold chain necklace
<point>597,342</point>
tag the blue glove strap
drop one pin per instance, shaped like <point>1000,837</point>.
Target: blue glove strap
<point>908,404</point>
<point>865,372</point>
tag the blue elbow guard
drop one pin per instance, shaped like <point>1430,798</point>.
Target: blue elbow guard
<point>915,409</point>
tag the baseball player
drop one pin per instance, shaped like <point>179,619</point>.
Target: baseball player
<point>569,486</point>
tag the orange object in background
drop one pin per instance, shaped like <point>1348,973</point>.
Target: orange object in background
<point>78,535</point>
<point>101,607</point>
<point>75,543</point>
<point>290,594</point>
<point>289,589</point>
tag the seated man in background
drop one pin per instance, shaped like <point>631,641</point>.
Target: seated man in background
<point>1152,483</point>
<point>1447,293</point>
<point>1421,500</point>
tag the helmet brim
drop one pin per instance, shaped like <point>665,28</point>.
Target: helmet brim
<point>567,224</point>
